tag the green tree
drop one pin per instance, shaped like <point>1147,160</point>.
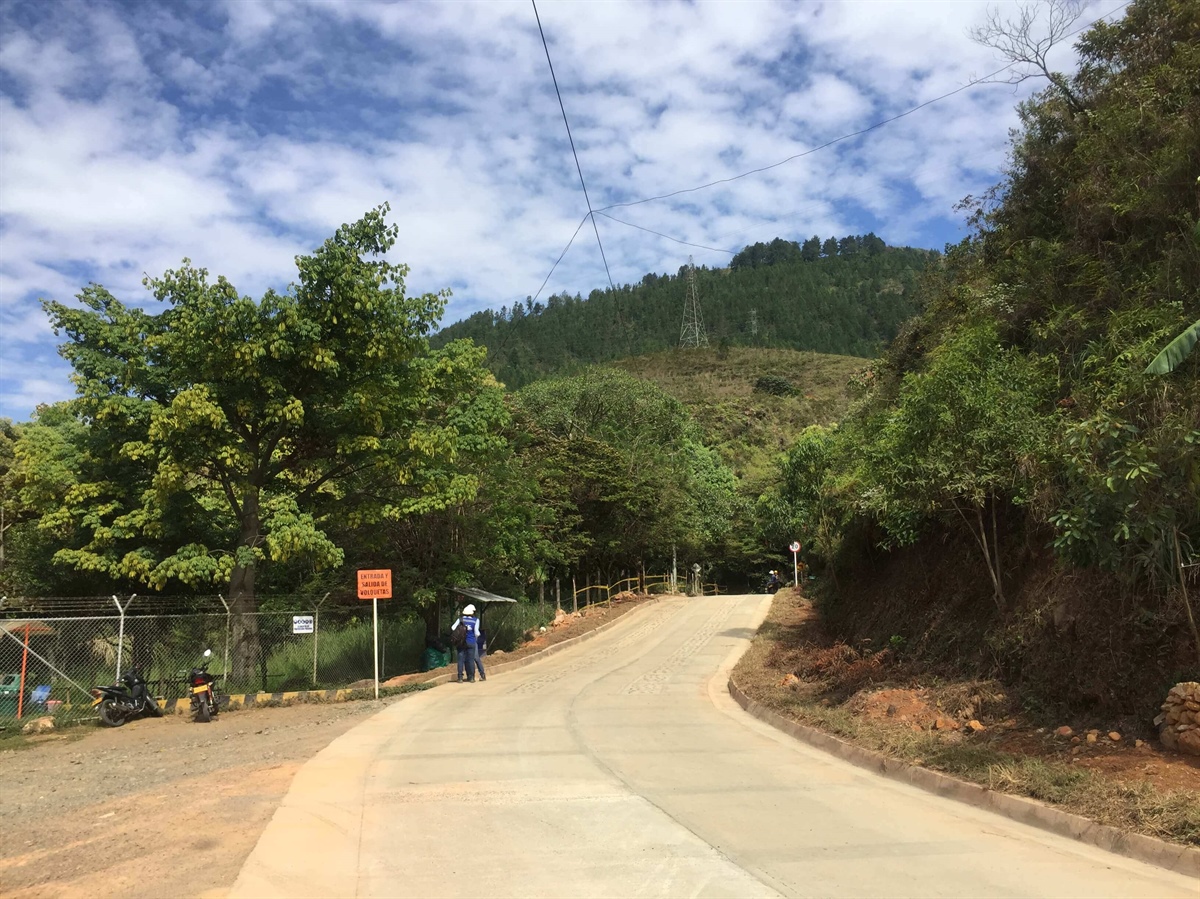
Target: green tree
<point>252,418</point>
<point>966,435</point>
<point>808,499</point>
<point>619,464</point>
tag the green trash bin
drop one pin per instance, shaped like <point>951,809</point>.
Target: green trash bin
<point>434,658</point>
<point>10,692</point>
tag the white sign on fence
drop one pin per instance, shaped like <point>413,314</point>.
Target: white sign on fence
<point>302,624</point>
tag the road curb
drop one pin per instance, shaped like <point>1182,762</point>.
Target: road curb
<point>500,667</point>
<point>234,701</point>
<point>250,700</point>
<point>1173,857</point>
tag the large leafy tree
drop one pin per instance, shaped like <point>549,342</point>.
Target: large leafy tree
<point>1025,381</point>
<point>252,420</point>
<point>619,466</point>
<point>967,434</point>
<point>1098,239</point>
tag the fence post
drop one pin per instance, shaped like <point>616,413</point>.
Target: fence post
<point>121,632</point>
<point>225,671</point>
<point>574,595</point>
<point>316,632</point>
<point>24,664</point>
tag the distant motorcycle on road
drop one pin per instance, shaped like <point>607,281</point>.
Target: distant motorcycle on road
<point>773,583</point>
<point>205,704</point>
<point>124,701</point>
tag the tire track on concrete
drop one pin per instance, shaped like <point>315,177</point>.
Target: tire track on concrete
<point>597,656</point>
<point>655,680</point>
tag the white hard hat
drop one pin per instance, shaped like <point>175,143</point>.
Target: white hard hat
<point>469,609</point>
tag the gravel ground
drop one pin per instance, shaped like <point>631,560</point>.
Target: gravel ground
<point>168,807</point>
<point>159,807</point>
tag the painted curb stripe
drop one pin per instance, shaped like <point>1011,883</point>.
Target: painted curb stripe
<point>247,700</point>
<point>1172,856</point>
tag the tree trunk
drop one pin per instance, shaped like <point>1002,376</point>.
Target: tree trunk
<point>979,532</point>
<point>993,573</point>
<point>432,616</point>
<point>243,601</point>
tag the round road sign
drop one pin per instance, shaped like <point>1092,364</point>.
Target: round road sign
<point>795,547</point>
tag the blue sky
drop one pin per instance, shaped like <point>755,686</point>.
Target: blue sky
<point>241,133</point>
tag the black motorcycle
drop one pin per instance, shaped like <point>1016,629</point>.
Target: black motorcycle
<point>203,691</point>
<point>773,584</point>
<point>125,701</point>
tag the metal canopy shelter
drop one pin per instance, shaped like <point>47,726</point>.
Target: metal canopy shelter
<point>481,595</point>
<point>484,596</point>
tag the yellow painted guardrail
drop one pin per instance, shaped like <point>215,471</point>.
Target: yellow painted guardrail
<point>602,594</point>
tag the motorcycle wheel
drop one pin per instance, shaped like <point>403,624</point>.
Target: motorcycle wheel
<point>203,713</point>
<point>110,714</point>
<point>153,708</point>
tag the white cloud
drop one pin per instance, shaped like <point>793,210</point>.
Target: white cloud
<point>241,134</point>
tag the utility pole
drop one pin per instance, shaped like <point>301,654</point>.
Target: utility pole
<point>692,334</point>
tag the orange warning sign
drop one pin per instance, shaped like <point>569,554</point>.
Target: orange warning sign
<point>375,583</point>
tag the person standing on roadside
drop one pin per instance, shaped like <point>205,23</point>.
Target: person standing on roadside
<point>468,653</point>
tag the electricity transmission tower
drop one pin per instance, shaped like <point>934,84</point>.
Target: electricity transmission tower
<point>692,333</point>
<point>754,322</point>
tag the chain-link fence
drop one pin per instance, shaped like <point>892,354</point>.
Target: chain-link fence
<point>50,661</point>
<point>55,650</point>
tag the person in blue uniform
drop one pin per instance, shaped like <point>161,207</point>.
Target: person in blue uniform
<point>468,654</point>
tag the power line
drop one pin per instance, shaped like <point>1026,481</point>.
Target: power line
<point>809,152</point>
<point>986,79</point>
<point>582,222</point>
<point>698,246</point>
<point>603,210</point>
<point>844,137</point>
<point>578,167</point>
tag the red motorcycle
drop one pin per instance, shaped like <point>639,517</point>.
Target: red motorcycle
<point>203,691</point>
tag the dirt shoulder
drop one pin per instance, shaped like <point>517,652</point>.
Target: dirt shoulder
<point>167,807</point>
<point>972,729</point>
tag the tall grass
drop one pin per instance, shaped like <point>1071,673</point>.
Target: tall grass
<point>506,625</point>
<point>344,651</point>
<point>344,655</point>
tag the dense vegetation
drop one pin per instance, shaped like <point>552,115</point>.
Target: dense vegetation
<point>1013,487</point>
<point>269,446</point>
<point>848,298</point>
<point>1017,411</point>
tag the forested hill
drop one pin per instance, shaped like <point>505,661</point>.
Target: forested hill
<point>845,297</point>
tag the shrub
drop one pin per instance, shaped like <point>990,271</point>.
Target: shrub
<point>774,385</point>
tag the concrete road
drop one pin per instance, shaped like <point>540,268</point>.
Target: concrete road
<point>621,767</point>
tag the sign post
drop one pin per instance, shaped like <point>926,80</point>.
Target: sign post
<point>375,584</point>
<point>795,548</point>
